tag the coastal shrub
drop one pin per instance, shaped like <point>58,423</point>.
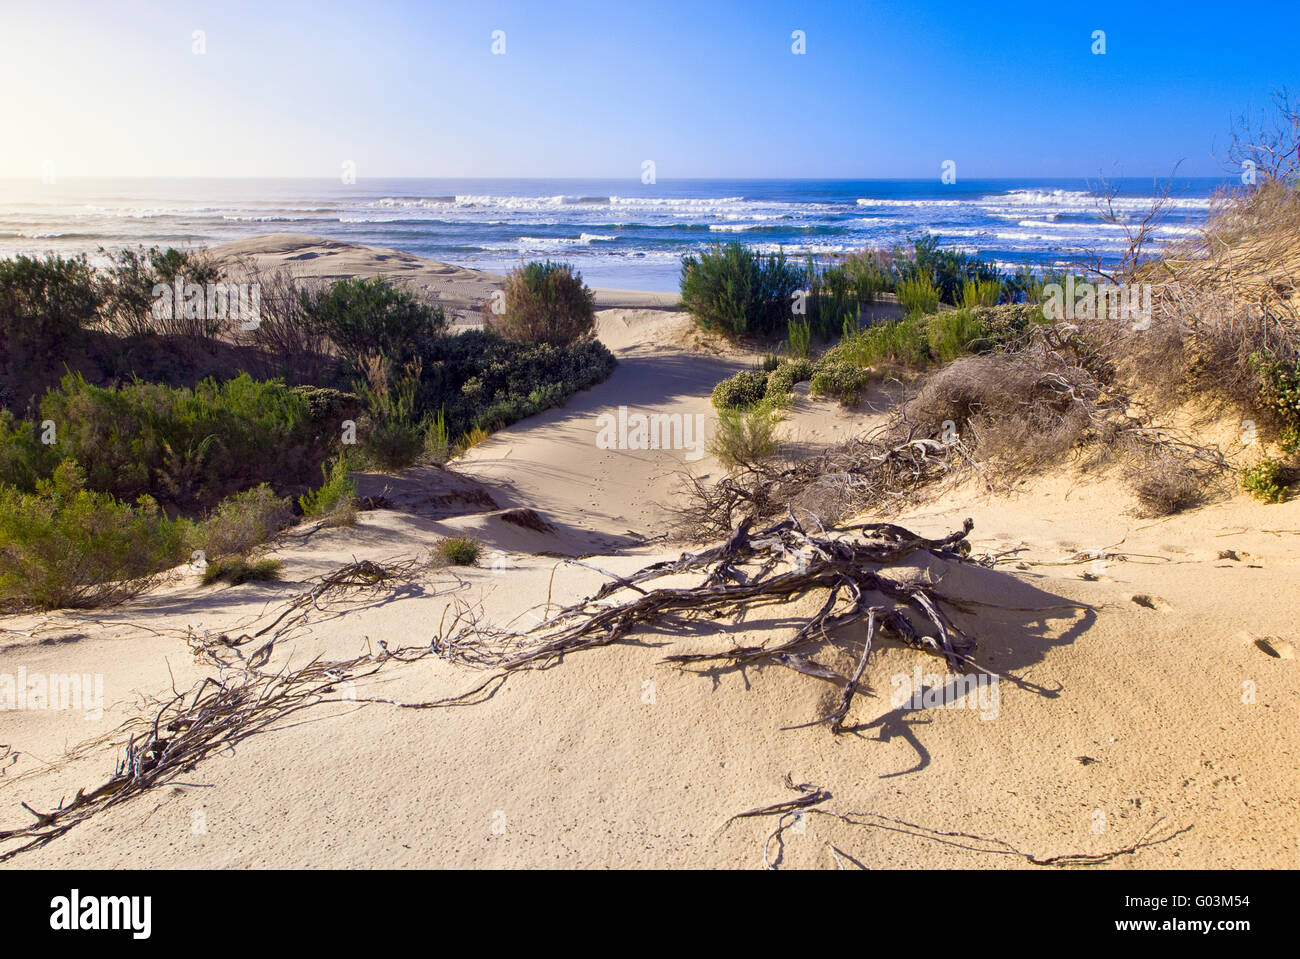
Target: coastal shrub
<point>63,545</point>
<point>980,293</point>
<point>740,390</point>
<point>770,362</point>
<point>917,295</point>
<point>365,316</point>
<point>396,436</point>
<point>335,501</point>
<point>843,381</point>
<point>952,333</point>
<point>784,377</point>
<point>735,290</point>
<point>239,569</point>
<point>459,551</point>
<point>126,290</point>
<point>1279,393</point>
<point>946,270</point>
<point>1266,480</point>
<point>1166,483</point>
<point>800,338</point>
<point>480,379</point>
<point>903,342</point>
<point>869,273</point>
<point>243,521</point>
<point>188,447</point>
<point>545,303</point>
<point>45,306</point>
<point>744,438</point>
<point>832,301</point>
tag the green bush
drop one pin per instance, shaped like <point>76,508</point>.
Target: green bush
<point>239,569</point>
<point>335,500</point>
<point>952,333</point>
<point>545,303</point>
<point>784,377</point>
<point>188,448</point>
<point>903,342</point>
<point>126,289</point>
<point>981,293</point>
<point>917,295</point>
<point>45,305</point>
<point>62,545</point>
<point>947,270</point>
<point>242,522</point>
<point>1266,481</point>
<point>741,390</point>
<point>735,290</point>
<point>1279,391</point>
<point>843,381</point>
<point>459,551</point>
<point>744,438</point>
<point>364,317</point>
<point>800,338</point>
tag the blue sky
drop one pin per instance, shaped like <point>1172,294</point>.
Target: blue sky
<point>587,89</point>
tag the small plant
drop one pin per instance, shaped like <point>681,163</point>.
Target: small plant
<point>770,362</point>
<point>472,439</point>
<point>800,338</point>
<point>784,377</point>
<point>1266,481</point>
<point>238,569</point>
<point>460,551</point>
<point>242,522</point>
<point>335,502</point>
<point>437,443</point>
<point>843,381</point>
<point>741,390</point>
<point>1279,391</point>
<point>917,295</point>
<point>744,438</point>
<point>544,303</point>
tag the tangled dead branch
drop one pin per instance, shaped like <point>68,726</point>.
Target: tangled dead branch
<point>217,712</point>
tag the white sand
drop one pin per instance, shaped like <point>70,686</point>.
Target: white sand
<point>611,759</point>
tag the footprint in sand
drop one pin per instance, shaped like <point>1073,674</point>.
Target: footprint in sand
<point>1151,602</point>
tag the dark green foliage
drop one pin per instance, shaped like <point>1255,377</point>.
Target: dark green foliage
<point>742,390</point>
<point>45,305</point>
<point>1279,392</point>
<point>732,289</point>
<point>189,448</point>
<point>372,317</point>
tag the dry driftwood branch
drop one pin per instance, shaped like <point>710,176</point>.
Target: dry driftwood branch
<point>217,712</point>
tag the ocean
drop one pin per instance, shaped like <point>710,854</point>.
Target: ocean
<point>618,233</point>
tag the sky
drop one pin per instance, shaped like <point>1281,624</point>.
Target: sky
<point>594,89</point>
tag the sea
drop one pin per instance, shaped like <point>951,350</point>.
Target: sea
<point>621,234</point>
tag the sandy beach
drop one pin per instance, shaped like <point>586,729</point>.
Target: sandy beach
<point>1148,669</point>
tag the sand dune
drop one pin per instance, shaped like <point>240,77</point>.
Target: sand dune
<point>1159,684</point>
